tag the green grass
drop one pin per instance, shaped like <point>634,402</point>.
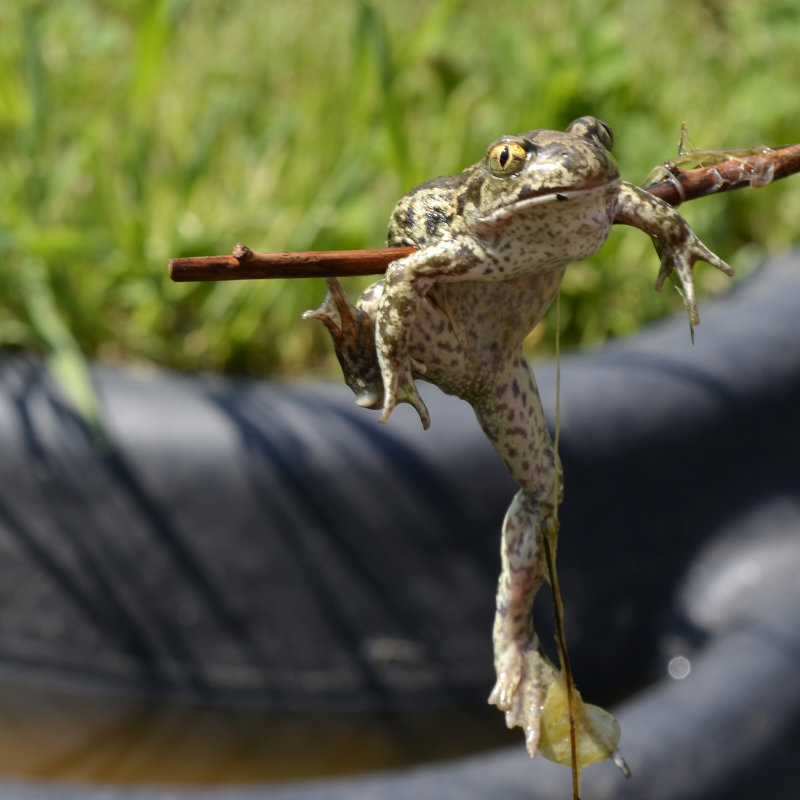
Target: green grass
<point>136,131</point>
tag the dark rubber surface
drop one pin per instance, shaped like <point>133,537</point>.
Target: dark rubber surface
<point>247,542</point>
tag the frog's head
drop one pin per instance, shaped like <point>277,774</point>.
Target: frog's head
<point>543,166</point>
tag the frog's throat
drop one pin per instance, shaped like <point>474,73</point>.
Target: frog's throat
<point>552,196</point>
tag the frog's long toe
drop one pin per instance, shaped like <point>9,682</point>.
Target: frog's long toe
<point>402,389</point>
<point>505,688</point>
<point>336,313</point>
<point>682,260</point>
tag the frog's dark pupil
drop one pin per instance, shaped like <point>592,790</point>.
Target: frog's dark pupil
<point>504,154</point>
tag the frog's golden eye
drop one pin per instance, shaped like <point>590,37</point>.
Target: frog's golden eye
<point>507,158</point>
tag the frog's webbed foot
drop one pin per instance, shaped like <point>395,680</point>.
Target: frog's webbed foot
<point>533,695</point>
<point>353,332</point>
<point>523,676</point>
<point>681,258</point>
<point>531,691</point>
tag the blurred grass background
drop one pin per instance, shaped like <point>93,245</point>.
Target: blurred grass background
<point>133,131</point>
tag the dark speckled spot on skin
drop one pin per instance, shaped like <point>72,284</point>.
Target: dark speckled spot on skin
<point>433,219</point>
<point>561,197</point>
<point>408,219</point>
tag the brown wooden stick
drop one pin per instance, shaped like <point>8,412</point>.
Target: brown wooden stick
<point>245,263</point>
<point>757,169</point>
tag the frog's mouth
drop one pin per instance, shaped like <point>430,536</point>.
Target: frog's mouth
<point>528,198</point>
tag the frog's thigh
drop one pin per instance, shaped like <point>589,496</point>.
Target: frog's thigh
<point>511,415</point>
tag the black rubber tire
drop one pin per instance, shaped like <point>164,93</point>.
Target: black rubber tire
<point>224,516</point>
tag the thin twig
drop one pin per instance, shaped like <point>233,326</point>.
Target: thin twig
<point>245,263</point>
<point>754,170</point>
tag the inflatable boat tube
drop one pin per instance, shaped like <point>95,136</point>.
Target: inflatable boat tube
<point>270,546</point>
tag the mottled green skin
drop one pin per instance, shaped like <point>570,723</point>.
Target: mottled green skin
<point>492,250</point>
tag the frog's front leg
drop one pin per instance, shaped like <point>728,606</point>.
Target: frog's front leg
<point>407,282</point>
<point>676,243</point>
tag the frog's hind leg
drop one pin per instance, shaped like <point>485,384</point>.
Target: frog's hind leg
<point>524,673</point>
<point>511,415</point>
<point>352,329</point>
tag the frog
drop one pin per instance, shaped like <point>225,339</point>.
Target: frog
<point>492,245</point>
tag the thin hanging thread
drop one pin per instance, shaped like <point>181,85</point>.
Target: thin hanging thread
<point>561,640</point>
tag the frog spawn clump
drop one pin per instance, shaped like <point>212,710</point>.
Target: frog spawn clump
<point>493,243</point>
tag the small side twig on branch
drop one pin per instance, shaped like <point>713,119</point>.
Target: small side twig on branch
<point>754,170</point>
